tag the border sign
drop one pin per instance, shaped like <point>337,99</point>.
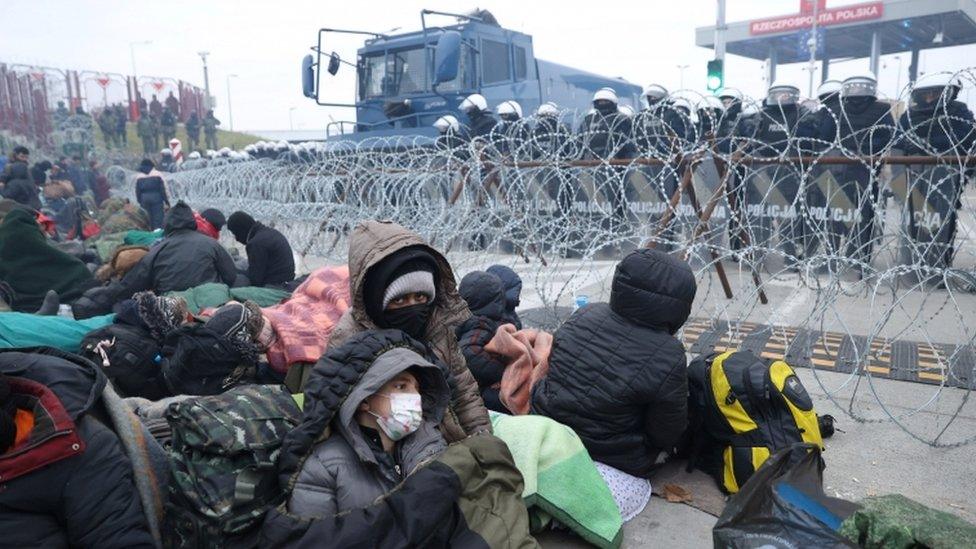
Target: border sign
<point>834,16</point>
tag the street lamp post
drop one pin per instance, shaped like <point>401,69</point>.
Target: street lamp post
<point>291,121</point>
<point>681,70</point>
<point>206,79</point>
<point>230,111</point>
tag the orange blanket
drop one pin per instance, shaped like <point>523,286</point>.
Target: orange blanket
<point>305,321</point>
<point>527,356</point>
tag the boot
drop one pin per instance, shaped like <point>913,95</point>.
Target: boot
<point>52,302</point>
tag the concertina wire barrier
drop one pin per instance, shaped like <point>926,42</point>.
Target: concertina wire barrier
<point>858,265</point>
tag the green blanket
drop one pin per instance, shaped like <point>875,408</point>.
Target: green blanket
<point>215,294</point>
<point>894,521</point>
<point>561,481</point>
<point>27,330</point>
<point>142,238</point>
<point>32,266</point>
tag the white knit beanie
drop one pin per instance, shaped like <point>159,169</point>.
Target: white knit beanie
<point>421,282</point>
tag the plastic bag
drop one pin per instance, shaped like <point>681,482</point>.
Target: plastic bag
<point>783,505</point>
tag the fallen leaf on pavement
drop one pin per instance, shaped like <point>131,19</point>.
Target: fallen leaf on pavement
<point>676,494</point>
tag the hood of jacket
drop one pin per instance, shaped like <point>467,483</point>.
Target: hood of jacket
<point>77,382</point>
<point>342,370</point>
<point>434,391</point>
<point>372,242</point>
<point>653,289</point>
<point>179,218</point>
<point>512,283</point>
<point>485,294</point>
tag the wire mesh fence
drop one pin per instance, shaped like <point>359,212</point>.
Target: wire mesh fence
<point>849,252</point>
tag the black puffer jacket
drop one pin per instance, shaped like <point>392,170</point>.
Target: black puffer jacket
<point>70,484</point>
<point>269,257</point>
<point>485,295</point>
<point>617,375</point>
<point>184,259</point>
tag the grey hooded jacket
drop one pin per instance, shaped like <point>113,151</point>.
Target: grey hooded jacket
<point>345,472</point>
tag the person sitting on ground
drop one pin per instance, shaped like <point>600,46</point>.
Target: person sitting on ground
<point>209,222</point>
<point>485,295</point>
<point>183,259</point>
<point>31,267</point>
<point>385,427</point>
<point>513,292</point>
<point>270,261</point>
<point>20,187</point>
<point>398,281</point>
<point>67,481</point>
<point>617,375</point>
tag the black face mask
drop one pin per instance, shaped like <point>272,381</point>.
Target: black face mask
<point>412,320</point>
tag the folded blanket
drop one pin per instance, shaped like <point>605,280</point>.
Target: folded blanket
<point>561,481</point>
<point>526,353</point>
<point>215,294</point>
<point>305,321</point>
<point>29,330</point>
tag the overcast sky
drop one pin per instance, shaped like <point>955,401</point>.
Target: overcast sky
<point>263,42</point>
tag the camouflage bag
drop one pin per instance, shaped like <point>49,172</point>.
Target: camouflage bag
<point>223,457</point>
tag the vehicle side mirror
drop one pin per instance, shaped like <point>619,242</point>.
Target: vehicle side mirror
<point>447,53</point>
<point>308,76</point>
<point>333,63</point>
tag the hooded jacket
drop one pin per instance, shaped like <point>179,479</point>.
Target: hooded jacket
<point>485,296</point>
<point>350,470</point>
<point>370,243</point>
<point>270,260</point>
<point>70,484</point>
<point>617,375</point>
<point>184,259</point>
<point>513,292</point>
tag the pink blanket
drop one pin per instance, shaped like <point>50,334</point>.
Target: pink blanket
<point>527,355</point>
<point>305,321</point>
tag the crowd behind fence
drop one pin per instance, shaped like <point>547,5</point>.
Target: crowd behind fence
<point>34,99</point>
<point>813,237</point>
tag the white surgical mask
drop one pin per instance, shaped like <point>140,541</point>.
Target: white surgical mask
<point>406,415</point>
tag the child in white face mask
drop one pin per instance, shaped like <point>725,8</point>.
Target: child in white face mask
<point>385,427</point>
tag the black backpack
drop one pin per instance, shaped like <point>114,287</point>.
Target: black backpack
<point>129,357</point>
<point>743,409</point>
<point>201,361</point>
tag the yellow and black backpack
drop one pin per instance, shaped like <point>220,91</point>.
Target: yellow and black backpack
<point>743,409</point>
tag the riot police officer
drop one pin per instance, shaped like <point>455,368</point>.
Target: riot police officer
<point>935,124</point>
<point>480,120</point>
<point>511,133</point>
<point>775,134</point>
<point>549,136</point>
<point>864,127</point>
<point>710,111</point>
<point>605,132</point>
<point>450,136</point>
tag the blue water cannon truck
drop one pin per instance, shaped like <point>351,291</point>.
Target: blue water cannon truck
<point>407,81</point>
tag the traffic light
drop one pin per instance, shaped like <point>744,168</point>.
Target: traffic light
<point>716,75</point>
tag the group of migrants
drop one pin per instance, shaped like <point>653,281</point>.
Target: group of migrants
<point>769,151</point>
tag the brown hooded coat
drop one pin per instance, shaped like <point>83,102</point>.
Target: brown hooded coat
<point>370,243</point>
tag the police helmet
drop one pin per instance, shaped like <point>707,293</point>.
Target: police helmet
<point>447,122</point>
<point>166,152</point>
<point>547,109</point>
<point>683,104</point>
<point>605,94</point>
<point>931,87</point>
<point>860,85</point>
<point>828,88</point>
<point>730,93</point>
<point>782,94</point>
<point>509,109</point>
<point>655,93</point>
<point>474,102</point>
<point>712,102</point>
<point>224,151</point>
<point>626,110</point>
<point>195,155</point>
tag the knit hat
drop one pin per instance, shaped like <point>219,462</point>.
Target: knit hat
<point>383,283</point>
<point>240,224</point>
<point>420,282</point>
<point>241,324</point>
<point>215,217</point>
<point>161,315</point>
